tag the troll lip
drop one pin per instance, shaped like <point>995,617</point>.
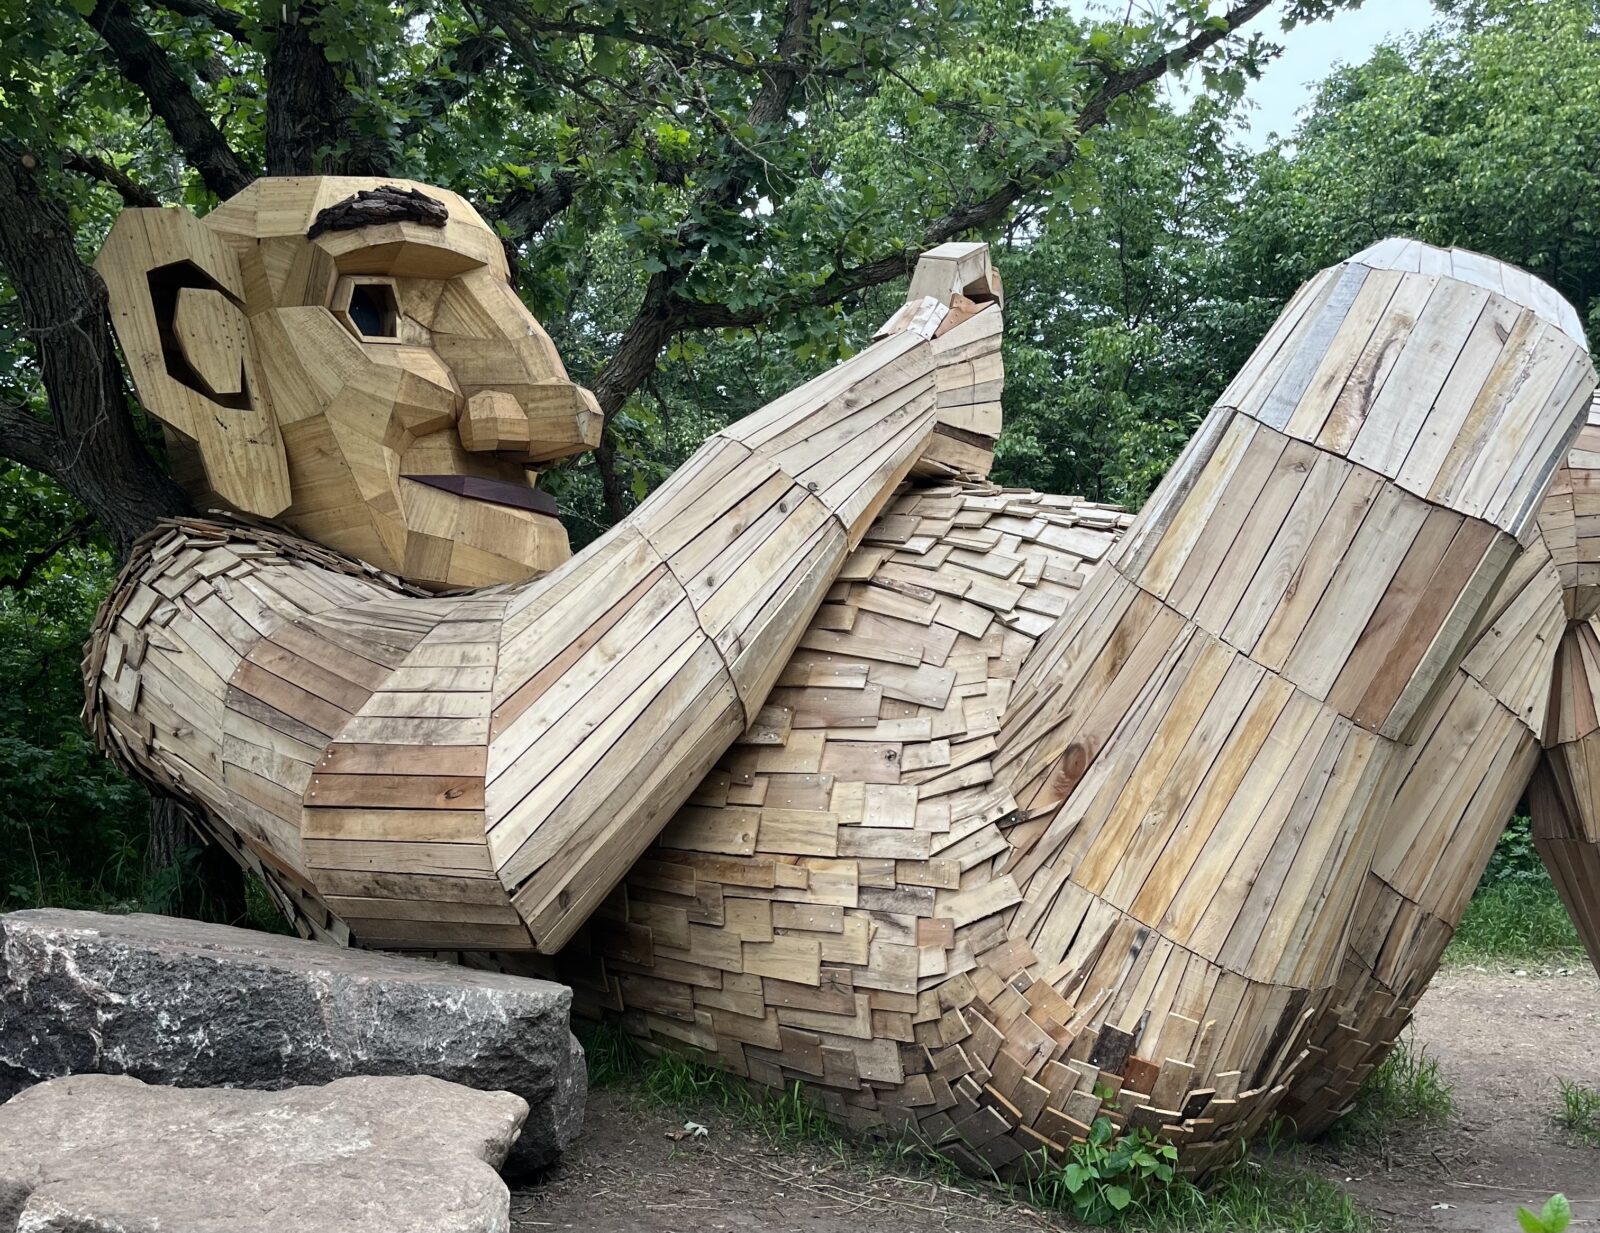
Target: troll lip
<point>498,492</point>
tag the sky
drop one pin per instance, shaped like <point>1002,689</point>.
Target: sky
<point>1310,53</point>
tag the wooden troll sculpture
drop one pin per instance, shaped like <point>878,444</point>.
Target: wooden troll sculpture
<point>979,812</point>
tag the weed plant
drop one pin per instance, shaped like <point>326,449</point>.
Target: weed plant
<point>1579,1114</point>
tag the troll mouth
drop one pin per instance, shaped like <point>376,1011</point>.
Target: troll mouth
<point>499,492</point>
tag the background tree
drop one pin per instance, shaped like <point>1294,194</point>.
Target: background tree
<point>750,162</point>
<point>1483,133</point>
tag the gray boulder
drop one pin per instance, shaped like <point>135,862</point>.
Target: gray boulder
<point>109,1154</point>
<point>196,1005</point>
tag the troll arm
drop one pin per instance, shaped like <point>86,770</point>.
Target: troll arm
<point>624,675</point>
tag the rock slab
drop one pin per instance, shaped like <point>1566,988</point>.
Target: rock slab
<point>195,1005</point>
<point>109,1154</point>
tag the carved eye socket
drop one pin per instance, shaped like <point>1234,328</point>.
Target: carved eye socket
<point>368,308</point>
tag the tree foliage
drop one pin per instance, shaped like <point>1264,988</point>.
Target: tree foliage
<point>1483,133</point>
<point>71,827</point>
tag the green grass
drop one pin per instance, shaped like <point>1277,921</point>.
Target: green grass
<point>1270,1192</point>
<point>1519,921</point>
<point>613,1057</point>
<point>1515,915</point>
<point>686,1086</point>
<point>1406,1091</point>
<point>1579,1114</point>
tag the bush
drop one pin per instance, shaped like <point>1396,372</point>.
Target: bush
<point>72,827</point>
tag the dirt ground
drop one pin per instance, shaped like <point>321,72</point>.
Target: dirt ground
<point>1502,1040</point>
<point>625,1176</point>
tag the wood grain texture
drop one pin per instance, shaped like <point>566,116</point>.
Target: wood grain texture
<point>1208,846</point>
<point>961,806</point>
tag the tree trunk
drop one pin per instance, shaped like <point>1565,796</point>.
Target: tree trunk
<point>311,115</point>
<point>93,451</point>
<point>193,874</point>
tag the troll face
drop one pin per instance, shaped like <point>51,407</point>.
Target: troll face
<point>347,356</point>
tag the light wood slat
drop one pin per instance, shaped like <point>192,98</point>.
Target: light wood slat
<point>1310,347</point>
<point>1432,349</point>
<point>1370,369</point>
<point>1336,366</point>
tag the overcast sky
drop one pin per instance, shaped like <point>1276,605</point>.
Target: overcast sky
<point>1310,52</point>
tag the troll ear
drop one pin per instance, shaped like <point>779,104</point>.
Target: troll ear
<point>177,305</point>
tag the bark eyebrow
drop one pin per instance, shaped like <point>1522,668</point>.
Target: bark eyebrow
<point>372,206</point>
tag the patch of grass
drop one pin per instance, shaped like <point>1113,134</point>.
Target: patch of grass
<point>1406,1090</point>
<point>1270,1195</point>
<point>1520,921</point>
<point>789,1116</point>
<point>612,1056</point>
<point>1515,915</point>
<point>1579,1114</point>
<point>685,1085</point>
<point>912,1154</point>
<point>1267,1193</point>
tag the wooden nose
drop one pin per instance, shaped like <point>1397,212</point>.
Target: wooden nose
<point>494,420</point>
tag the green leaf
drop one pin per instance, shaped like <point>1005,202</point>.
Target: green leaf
<point>1118,1196</point>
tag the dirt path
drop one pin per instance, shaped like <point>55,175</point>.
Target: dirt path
<point>626,1176</point>
<point>1502,1041</point>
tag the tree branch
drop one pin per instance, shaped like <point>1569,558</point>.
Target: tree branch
<point>663,312</point>
<point>528,211</point>
<point>504,12</point>
<point>27,439</point>
<point>38,559</point>
<point>653,323</point>
<point>146,65</point>
<point>226,20</point>
<point>442,88</point>
<point>898,262</point>
<point>96,168</point>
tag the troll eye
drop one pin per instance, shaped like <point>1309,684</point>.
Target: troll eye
<point>368,308</point>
